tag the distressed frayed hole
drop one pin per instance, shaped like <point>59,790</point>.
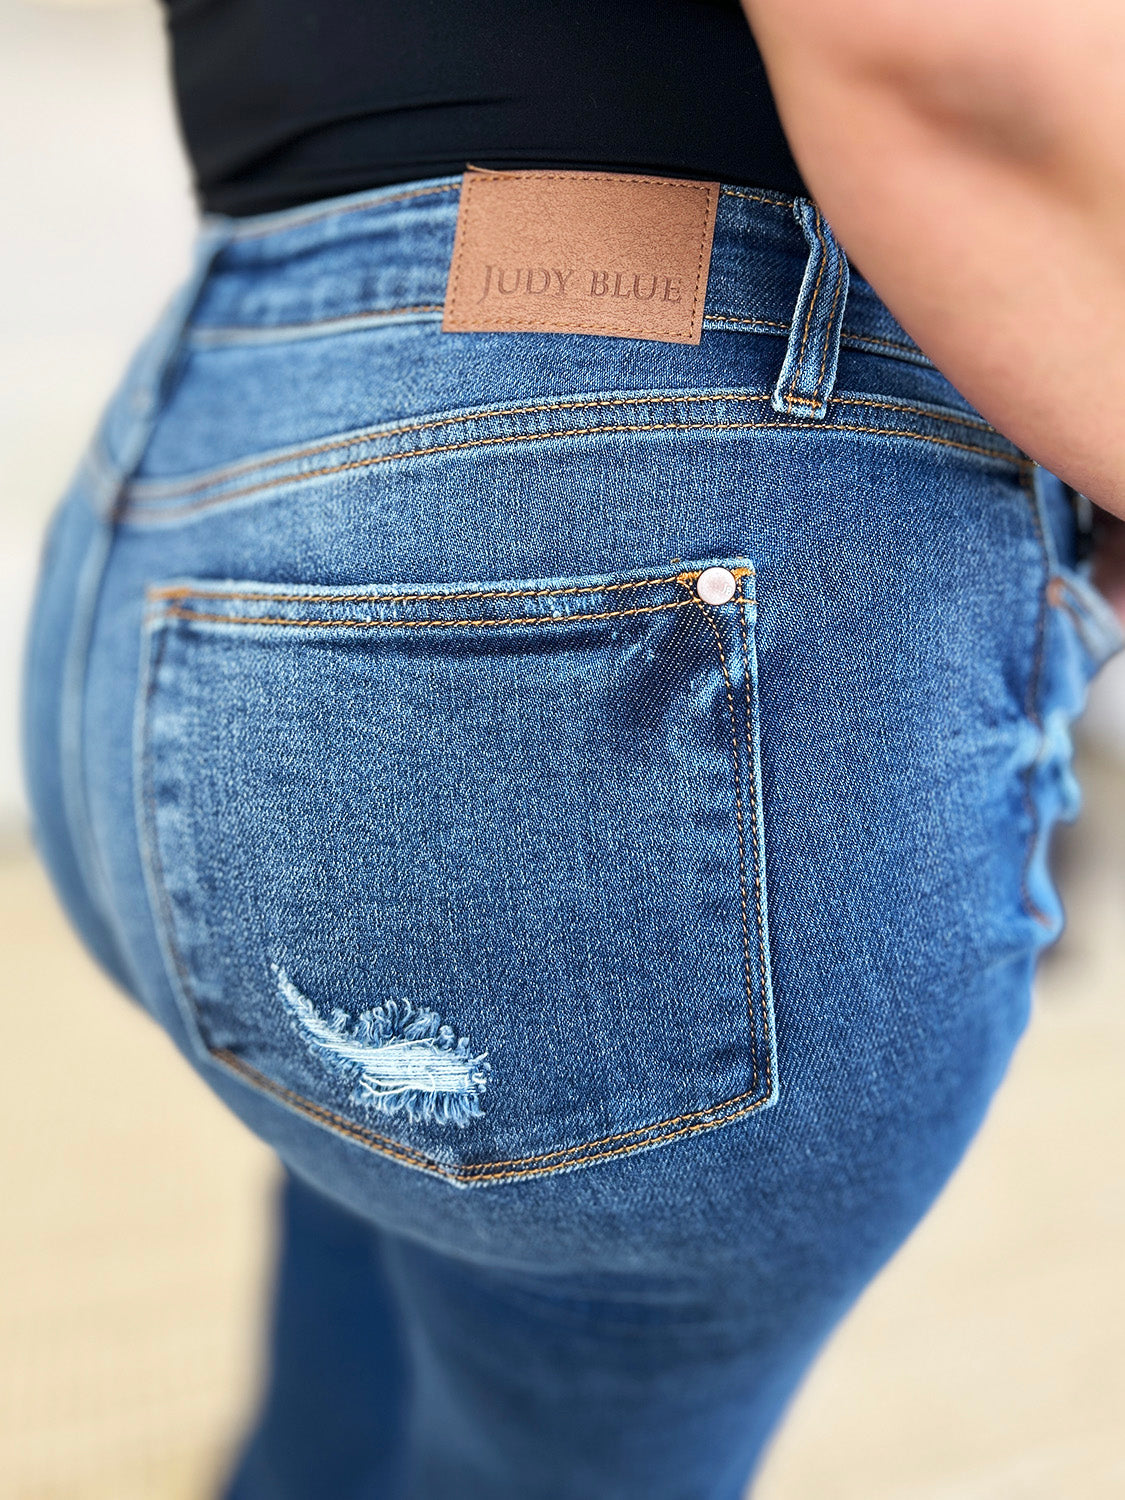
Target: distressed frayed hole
<point>401,1058</point>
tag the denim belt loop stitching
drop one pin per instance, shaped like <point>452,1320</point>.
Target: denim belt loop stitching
<point>808,373</point>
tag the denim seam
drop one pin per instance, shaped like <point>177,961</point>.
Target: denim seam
<point>741,843</point>
<point>204,334</point>
<point>222,335</point>
<point>809,310</point>
<point>792,390</point>
<point>153,378</point>
<point>172,489</point>
<point>150,846</point>
<point>1031,701</point>
<point>775,200</point>
<point>1061,595</point>
<point>841,281</point>
<point>212,335</point>
<point>298,221</point>
<point>466,1175</point>
<point>260,231</point>
<point>775,324</point>
<point>105,481</point>
<point>72,725</point>
<point>759,856</point>
<point>177,613</point>
<point>172,512</point>
<point>359,595</point>
<point>1057,594</point>
<point>469,1174</point>
<point>874,338</point>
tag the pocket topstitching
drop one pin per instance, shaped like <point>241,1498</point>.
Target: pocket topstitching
<point>472,874</point>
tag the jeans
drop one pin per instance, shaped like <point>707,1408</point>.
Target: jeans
<point>583,801</point>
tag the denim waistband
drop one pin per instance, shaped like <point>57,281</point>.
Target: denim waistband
<point>384,255</point>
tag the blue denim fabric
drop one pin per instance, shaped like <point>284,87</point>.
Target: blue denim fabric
<point>619,975</point>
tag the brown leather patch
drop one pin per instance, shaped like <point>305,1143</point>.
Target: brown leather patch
<point>581,252</point>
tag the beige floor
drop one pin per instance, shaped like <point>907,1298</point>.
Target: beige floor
<point>986,1364</point>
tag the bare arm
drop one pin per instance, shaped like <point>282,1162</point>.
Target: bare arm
<point>971,157</point>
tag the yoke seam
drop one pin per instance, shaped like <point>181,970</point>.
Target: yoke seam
<point>374,434</point>
<point>526,437</point>
<point>257,232</point>
<point>253,232</point>
<point>205,335</point>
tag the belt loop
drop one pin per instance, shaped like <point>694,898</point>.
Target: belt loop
<point>809,372</point>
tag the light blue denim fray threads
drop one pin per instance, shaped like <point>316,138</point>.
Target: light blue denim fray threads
<point>400,1056</point>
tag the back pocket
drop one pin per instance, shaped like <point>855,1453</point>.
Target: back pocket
<point>470,873</point>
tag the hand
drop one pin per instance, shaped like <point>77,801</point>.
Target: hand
<point>970,157</point>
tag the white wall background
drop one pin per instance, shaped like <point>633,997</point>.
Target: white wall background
<point>96,227</point>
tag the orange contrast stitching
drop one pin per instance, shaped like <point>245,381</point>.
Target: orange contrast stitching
<point>812,302</point>
<point>561,1158</point>
<point>208,331</point>
<point>778,202</point>
<point>873,338</point>
<point>915,410</point>
<point>625,330</point>
<point>162,512</point>
<point>183,592</point>
<point>386,1144</point>
<point>218,476</point>
<point>485,1172</point>
<point>486,1169</point>
<point>847,336</point>
<point>177,612</point>
<point>741,845</point>
<point>828,330</point>
<point>718,317</point>
<point>578,1155</point>
<point>258,232</point>
<point>668,1135</point>
<point>758,851</point>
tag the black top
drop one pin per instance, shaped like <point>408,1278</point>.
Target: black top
<point>286,101</point>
